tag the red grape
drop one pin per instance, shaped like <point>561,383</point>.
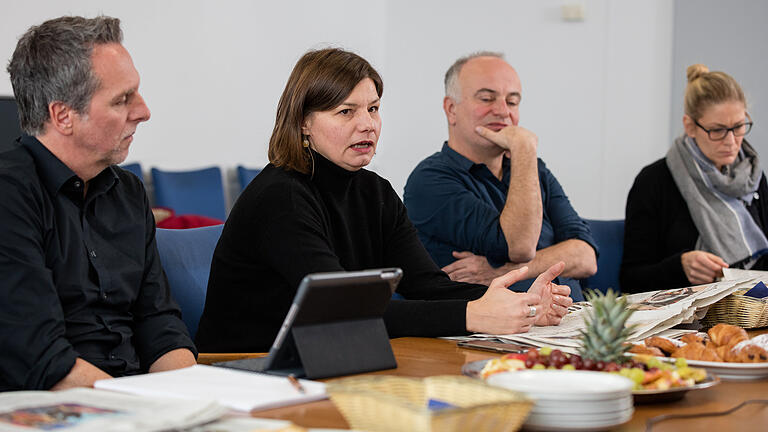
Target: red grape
<point>599,365</point>
<point>589,364</point>
<point>577,362</point>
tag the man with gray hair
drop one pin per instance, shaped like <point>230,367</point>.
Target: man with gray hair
<point>485,204</point>
<point>84,296</point>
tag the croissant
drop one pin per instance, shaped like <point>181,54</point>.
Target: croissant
<point>726,334</point>
<point>665,345</point>
<point>691,338</point>
<point>727,353</point>
<point>642,349</point>
<point>697,351</point>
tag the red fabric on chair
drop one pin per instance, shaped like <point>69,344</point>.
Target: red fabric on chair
<point>188,221</point>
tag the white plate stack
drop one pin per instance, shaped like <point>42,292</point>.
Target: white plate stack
<point>571,400</point>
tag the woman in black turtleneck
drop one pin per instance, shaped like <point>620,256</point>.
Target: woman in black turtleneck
<point>314,209</point>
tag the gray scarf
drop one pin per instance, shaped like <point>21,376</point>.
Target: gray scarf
<point>717,200</point>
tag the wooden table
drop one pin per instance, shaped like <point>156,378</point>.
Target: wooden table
<point>422,357</point>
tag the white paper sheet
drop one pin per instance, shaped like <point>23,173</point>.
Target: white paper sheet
<point>239,390</point>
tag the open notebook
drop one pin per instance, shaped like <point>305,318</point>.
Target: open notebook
<point>239,390</point>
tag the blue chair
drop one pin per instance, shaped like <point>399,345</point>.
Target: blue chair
<point>134,168</point>
<point>609,236</point>
<point>186,256</point>
<point>198,192</point>
<point>245,175</point>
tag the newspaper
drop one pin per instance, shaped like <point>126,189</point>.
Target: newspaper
<point>655,312</point>
<point>86,410</point>
<point>735,274</point>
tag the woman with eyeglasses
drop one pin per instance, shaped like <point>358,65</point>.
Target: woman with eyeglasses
<point>704,206</point>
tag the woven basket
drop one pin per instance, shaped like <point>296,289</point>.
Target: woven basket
<point>388,403</point>
<point>739,310</point>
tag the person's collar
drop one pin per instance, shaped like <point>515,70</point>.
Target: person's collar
<point>466,164</point>
<point>326,169</point>
<point>460,160</point>
<point>55,174</point>
<point>52,171</point>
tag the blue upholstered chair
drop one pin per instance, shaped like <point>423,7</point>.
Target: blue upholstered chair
<point>134,168</point>
<point>609,236</point>
<point>186,257</point>
<point>245,175</point>
<point>198,192</point>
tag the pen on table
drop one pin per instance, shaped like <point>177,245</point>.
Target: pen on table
<point>296,384</point>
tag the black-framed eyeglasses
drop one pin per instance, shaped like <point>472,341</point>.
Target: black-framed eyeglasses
<point>718,134</point>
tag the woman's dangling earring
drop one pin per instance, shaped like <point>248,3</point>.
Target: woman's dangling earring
<point>305,142</point>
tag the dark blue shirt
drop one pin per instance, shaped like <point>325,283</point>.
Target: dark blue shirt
<point>80,273</point>
<point>455,205</point>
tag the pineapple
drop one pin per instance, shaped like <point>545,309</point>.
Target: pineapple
<point>603,340</point>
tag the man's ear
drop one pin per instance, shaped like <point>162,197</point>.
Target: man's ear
<point>689,126</point>
<point>61,117</point>
<point>449,106</point>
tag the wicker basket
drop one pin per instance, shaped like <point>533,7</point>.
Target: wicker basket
<point>388,403</point>
<point>740,310</point>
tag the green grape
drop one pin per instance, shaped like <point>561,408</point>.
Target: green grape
<point>538,366</point>
<point>545,351</point>
<point>653,362</point>
<point>637,375</point>
<point>681,362</point>
<point>569,367</point>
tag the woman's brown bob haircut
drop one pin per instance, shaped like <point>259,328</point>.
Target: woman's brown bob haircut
<point>320,81</point>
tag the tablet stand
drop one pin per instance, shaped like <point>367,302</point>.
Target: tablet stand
<point>343,348</point>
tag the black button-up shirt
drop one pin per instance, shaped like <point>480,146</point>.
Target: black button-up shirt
<point>79,274</point>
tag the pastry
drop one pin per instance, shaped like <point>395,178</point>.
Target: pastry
<point>642,349</point>
<point>664,344</point>
<point>692,338</point>
<point>697,351</point>
<point>726,334</point>
<point>727,353</point>
<point>760,340</point>
<point>750,354</point>
<point>749,351</point>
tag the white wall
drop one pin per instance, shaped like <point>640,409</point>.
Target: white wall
<point>728,36</point>
<point>596,92</point>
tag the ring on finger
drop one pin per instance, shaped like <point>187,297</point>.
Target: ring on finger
<point>532,311</point>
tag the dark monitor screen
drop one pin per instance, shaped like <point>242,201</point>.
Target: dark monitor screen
<point>9,120</point>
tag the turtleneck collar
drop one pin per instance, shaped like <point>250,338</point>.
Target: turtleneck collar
<point>325,170</point>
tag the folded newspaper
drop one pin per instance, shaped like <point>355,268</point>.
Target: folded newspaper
<point>85,410</point>
<point>656,312</point>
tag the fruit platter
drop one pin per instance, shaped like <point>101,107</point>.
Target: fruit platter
<point>654,380</point>
<point>604,349</point>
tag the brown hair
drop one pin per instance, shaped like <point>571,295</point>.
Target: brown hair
<point>707,88</point>
<point>320,81</point>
